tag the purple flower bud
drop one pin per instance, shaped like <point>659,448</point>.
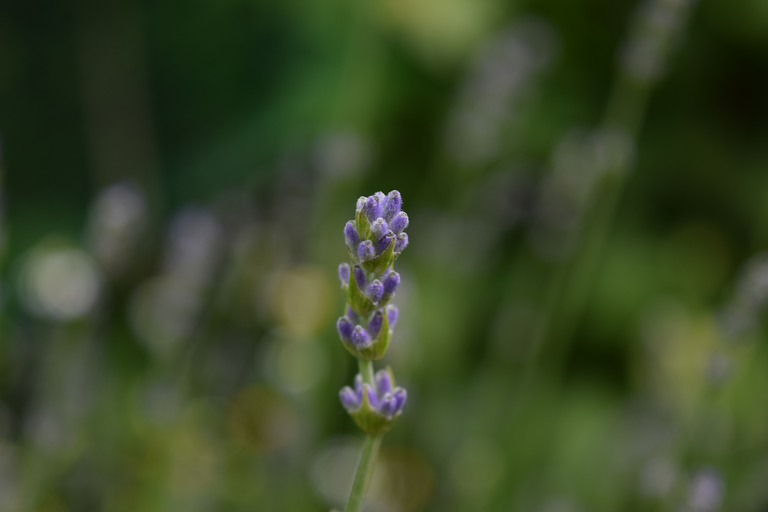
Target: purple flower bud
<point>345,328</point>
<point>402,242</point>
<point>391,281</point>
<point>344,273</point>
<point>392,316</point>
<point>353,317</point>
<point>388,406</point>
<point>400,396</point>
<point>372,208</point>
<point>349,399</point>
<point>380,197</point>
<point>365,250</point>
<point>393,205</point>
<point>372,398</point>
<point>351,237</point>
<point>384,242</point>
<point>383,382</point>
<point>379,228</point>
<point>399,223</point>
<point>375,291</point>
<point>362,282</point>
<point>374,326</point>
<point>360,337</point>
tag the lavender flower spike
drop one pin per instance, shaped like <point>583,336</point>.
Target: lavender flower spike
<point>375,240</point>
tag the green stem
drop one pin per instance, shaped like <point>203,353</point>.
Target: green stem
<point>364,471</point>
<point>366,370</point>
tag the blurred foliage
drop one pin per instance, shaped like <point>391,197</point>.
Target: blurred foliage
<point>582,297</point>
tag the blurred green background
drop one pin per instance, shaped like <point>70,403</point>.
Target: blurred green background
<point>580,313</point>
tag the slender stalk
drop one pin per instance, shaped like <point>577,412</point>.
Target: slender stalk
<point>575,278</point>
<point>364,472</point>
<point>366,370</point>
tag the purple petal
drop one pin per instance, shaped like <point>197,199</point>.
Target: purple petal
<point>383,382</point>
<point>351,237</point>
<point>362,282</point>
<point>360,337</point>
<point>379,228</point>
<point>365,250</point>
<point>372,208</point>
<point>393,205</point>
<point>380,197</point>
<point>344,273</point>
<point>374,326</point>
<point>400,396</point>
<point>399,223</point>
<point>372,398</point>
<point>392,314</point>
<point>388,406</point>
<point>375,291</point>
<point>390,283</point>
<point>349,399</point>
<point>353,317</point>
<point>384,242</point>
<point>345,328</point>
<point>402,242</point>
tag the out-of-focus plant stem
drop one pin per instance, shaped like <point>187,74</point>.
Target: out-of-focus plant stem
<point>573,279</point>
<point>364,472</point>
<point>366,370</point>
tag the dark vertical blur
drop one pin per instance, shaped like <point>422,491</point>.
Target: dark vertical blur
<point>116,99</point>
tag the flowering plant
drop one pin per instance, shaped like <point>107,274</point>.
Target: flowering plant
<point>374,239</point>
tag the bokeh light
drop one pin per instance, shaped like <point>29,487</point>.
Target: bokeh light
<point>59,282</point>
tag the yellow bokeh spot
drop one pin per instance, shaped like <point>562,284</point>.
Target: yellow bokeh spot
<point>441,31</point>
<point>302,300</point>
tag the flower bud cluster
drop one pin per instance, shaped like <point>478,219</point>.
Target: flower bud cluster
<point>374,407</point>
<point>376,237</point>
<point>374,240</point>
